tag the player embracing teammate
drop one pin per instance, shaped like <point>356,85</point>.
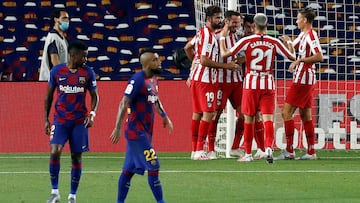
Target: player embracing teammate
<point>259,87</point>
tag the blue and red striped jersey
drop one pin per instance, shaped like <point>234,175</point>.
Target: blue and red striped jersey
<point>143,93</point>
<point>71,88</point>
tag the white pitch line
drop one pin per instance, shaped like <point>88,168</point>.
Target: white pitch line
<point>194,171</point>
<point>122,157</point>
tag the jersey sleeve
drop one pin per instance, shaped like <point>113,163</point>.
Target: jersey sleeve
<point>282,50</point>
<point>314,43</point>
<point>52,49</point>
<point>134,86</point>
<point>92,79</point>
<point>52,80</point>
<point>296,42</point>
<point>206,45</point>
<point>240,46</point>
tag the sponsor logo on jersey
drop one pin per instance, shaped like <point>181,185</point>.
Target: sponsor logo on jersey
<point>71,89</point>
<point>152,98</point>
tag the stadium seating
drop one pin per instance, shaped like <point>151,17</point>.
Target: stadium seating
<point>117,30</point>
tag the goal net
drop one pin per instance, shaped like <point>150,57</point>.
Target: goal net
<point>336,109</point>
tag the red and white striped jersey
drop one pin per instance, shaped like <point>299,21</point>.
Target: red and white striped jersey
<point>260,51</point>
<point>205,45</point>
<point>192,42</point>
<point>227,75</point>
<point>307,44</point>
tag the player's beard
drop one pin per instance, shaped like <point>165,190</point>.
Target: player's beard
<point>216,26</point>
<point>80,64</point>
<point>156,71</point>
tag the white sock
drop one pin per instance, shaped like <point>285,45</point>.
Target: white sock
<point>55,191</point>
<point>72,196</point>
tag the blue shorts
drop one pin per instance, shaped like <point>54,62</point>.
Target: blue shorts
<point>140,156</point>
<point>76,134</point>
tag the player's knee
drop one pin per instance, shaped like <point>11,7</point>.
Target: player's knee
<point>284,114</point>
<point>55,153</point>
<point>153,165</point>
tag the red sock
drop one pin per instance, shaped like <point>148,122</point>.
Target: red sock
<point>269,131</point>
<point>194,133</point>
<point>248,136</point>
<point>203,131</point>
<point>212,135</point>
<point>259,135</point>
<point>310,136</point>
<point>239,132</point>
<point>289,133</point>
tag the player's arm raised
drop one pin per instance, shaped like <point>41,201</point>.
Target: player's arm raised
<point>224,52</point>
<point>115,135</point>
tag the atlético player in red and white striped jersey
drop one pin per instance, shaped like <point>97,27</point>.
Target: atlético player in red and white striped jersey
<point>228,85</point>
<point>203,78</point>
<point>300,93</point>
<point>259,87</point>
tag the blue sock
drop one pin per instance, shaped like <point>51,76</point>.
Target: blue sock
<point>54,169</point>
<point>124,185</point>
<point>155,185</point>
<point>76,170</point>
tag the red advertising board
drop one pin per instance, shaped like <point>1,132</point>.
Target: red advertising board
<point>22,115</point>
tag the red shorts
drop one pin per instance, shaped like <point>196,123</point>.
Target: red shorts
<point>254,100</point>
<point>203,97</point>
<point>231,91</point>
<point>300,95</point>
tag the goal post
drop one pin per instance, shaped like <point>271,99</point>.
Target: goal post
<point>336,111</point>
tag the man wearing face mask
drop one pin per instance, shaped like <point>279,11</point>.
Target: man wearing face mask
<point>55,48</point>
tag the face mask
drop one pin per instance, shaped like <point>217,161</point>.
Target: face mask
<point>64,26</point>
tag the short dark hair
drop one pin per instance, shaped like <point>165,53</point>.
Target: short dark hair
<point>248,18</point>
<point>77,46</point>
<point>146,50</point>
<point>56,13</point>
<point>230,13</point>
<point>212,10</point>
<point>308,13</point>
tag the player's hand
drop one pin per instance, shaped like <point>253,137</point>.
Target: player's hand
<point>225,30</point>
<point>47,127</point>
<point>233,66</point>
<point>240,59</point>
<point>188,82</point>
<point>167,122</point>
<point>285,38</point>
<point>89,121</point>
<point>115,135</point>
<point>293,65</point>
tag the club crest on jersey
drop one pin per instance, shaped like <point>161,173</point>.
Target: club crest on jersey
<point>82,80</point>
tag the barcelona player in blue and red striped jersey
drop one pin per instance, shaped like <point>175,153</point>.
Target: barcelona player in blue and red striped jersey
<point>140,101</point>
<point>71,120</point>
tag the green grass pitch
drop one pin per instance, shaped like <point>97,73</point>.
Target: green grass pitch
<point>334,177</point>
